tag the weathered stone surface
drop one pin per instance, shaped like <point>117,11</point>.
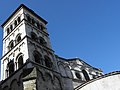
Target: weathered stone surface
<point>29,85</point>
<point>29,63</point>
<point>107,82</point>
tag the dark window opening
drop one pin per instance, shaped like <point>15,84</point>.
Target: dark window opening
<point>8,30</point>
<point>28,18</point>
<point>78,75</point>
<point>20,61</point>
<point>48,62</point>
<point>11,67</point>
<point>18,39</point>
<point>33,21</point>
<point>15,23</point>
<point>6,72</point>
<point>85,75</point>
<point>41,27</point>
<point>42,41</point>
<point>33,36</point>
<point>18,19</point>
<point>11,45</point>
<point>38,57</point>
<point>11,27</point>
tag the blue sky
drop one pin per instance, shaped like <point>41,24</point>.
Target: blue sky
<point>88,29</point>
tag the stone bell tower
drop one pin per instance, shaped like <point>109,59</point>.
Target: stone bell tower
<point>25,39</point>
<point>28,61</point>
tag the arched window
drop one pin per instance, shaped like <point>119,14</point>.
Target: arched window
<point>18,38</point>
<point>11,27</point>
<point>48,62</point>
<point>11,45</point>
<point>8,31</point>
<point>33,36</point>
<point>20,60</point>
<point>42,41</point>
<point>85,75</point>
<point>15,23</point>
<point>37,57</point>
<point>18,19</point>
<point>11,67</point>
<point>78,75</point>
<point>6,73</point>
<point>28,18</point>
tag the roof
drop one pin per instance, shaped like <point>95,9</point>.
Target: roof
<point>74,59</point>
<point>23,6</point>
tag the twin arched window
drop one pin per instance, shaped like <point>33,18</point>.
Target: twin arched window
<point>31,20</point>
<point>38,59</point>
<point>17,40</point>
<point>16,22</point>
<point>34,22</point>
<point>11,65</point>
<point>85,74</point>
<point>41,40</point>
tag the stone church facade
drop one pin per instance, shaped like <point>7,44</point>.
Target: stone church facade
<point>29,63</point>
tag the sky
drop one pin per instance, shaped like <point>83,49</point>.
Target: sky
<point>88,29</point>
